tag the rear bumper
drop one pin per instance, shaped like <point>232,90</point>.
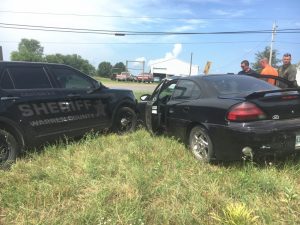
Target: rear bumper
<point>263,137</point>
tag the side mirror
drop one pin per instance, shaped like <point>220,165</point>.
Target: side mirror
<point>145,97</point>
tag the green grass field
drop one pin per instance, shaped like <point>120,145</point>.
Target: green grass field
<point>142,179</point>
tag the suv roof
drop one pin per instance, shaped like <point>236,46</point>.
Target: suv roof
<point>25,62</point>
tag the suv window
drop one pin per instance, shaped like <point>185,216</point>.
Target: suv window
<point>29,77</point>
<point>186,89</point>
<point>5,81</point>
<point>68,78</point>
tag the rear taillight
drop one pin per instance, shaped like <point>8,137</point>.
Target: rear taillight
<point>245,111</point>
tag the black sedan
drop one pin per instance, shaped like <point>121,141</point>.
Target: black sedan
<point>226,117</point>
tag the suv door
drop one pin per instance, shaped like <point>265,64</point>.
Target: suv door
<point>29,99</point>
<point>87,107</point>
<point>155,107</point>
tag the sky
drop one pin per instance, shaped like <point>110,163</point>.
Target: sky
<point>190,20</point>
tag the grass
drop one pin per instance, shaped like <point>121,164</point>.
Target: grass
<point>141,179</point>
<point>108,82</point>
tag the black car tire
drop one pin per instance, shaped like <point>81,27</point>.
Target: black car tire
<point>200,144</point>
<point>9,149</point>
<point>125,120</point>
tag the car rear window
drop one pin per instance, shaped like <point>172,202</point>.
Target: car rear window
<point>233,84</point>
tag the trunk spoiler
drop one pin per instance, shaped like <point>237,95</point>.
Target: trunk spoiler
<point>259,94</point>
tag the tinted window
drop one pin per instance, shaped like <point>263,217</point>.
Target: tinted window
<point>232,84</point>
<point>68,78</point>
<point>156,91</point>
<point>186,89</point>
<point>166,93</point>
<point>6,82</point>
<point>29,77</point>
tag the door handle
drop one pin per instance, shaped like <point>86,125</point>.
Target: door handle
<point>9,98</point>
<point>73,95</point>
<point>186,109</point>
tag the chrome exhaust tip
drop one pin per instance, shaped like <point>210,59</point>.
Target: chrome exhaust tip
<point>247,151</point>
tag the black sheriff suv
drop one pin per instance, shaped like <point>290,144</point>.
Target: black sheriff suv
<point>42,102</point>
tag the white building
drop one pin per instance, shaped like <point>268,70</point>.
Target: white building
<point>173,67</point>
<point>298,75</point>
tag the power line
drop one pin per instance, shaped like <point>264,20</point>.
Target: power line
<point>137,17</point>
<point>148,43</point>
<point>151,43</point>
<point>244,55</point>
<point>127,32</point>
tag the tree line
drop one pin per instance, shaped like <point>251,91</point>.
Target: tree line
<point>32,51</point>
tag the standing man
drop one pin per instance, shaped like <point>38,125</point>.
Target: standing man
<point>287,70</point>
<point>246,68</point>
<point>267,69</point>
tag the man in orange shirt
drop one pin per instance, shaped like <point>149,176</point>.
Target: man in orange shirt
<point>267,69</point>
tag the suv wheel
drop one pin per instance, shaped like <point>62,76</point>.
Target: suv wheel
<point>125,120</point>
<point>9,149</point>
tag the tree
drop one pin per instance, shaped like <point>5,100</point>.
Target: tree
<point>118,68</point>
<point>265,54</point>
<point>28,50</point>
<point>105,69</point>
<point>74,60</point>
<point>31,50</point>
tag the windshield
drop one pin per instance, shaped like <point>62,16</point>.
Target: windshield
<point>235,84</point>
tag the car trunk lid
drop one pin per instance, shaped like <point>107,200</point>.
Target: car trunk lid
<point>278,104</point>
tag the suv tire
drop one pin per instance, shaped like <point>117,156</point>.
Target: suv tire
<point>9,149</point>
<point>125,120</point>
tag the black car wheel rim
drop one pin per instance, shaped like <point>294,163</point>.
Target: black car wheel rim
<point>200,145</point>
<point>4,148</point>
<point>125,121</point>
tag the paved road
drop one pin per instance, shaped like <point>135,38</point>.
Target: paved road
<point>133,86</point>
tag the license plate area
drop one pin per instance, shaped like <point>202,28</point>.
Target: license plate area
<point>297,141</point>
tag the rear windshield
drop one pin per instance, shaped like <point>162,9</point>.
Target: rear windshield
<point>234,84</point>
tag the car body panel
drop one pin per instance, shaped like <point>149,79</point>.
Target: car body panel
<point>73,104</point>
<point>275,134</point>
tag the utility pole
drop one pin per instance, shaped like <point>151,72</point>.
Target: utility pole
<point>143,70</point>
<point>143,66</point>
<point>191,61</point>
<point>1,54</point>
<point>272,41</point>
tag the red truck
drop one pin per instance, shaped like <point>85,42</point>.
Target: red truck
<point>125,76</point>
<point>145,77</point>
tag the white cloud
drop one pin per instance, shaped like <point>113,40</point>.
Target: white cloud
<point>191,24</point>
<point>169,55</point>
<point>177,50</point>
<point>183,28</point>
<point>140,59</point>
<point>228,13</point>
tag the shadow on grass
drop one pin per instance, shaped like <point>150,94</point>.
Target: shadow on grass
<point>279,162</point>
